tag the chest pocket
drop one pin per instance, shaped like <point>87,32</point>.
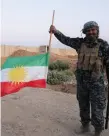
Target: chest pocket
<point>88,58</point>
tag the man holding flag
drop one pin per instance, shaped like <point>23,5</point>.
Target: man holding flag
<point>93,59</point>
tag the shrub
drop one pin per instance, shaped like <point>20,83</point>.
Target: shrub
<point>57,77</point>
<point>59,65</point>
<point>69,72</point>
<point>59,71</point>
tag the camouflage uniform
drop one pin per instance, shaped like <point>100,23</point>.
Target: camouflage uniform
<point>90,85</point>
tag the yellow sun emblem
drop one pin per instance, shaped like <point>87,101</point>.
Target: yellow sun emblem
<point>17,74</point>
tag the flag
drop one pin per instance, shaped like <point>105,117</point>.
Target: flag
<point>25,71</point>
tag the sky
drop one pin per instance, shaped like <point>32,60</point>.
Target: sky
<point>27,22</point>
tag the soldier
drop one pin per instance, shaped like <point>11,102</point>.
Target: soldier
<point>93,58</point>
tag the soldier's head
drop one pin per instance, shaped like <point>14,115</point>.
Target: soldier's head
<point>91,29</point>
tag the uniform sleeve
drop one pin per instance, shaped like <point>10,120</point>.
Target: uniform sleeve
<point>106,58</point>
<point>71,42</point>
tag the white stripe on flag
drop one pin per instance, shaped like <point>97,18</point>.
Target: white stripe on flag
<point>32,73</point>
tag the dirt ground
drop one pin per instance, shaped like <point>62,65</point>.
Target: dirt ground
<point>66,88</point>
<point>40,112</point>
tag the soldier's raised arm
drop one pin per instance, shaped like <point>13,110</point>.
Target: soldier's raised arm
<point>71,42</point>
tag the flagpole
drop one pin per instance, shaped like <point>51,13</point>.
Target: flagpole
<point>51,32</point>
<point>49,47</point>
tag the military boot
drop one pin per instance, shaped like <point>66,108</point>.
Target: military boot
<point>98,132</point>
<point>83,129</point>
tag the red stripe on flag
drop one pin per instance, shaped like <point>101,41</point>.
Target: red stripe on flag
<point>9,87</point>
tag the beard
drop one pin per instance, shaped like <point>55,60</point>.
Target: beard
<point>91,38</point>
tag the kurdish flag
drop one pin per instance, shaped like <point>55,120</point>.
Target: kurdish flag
<point>26,71</point>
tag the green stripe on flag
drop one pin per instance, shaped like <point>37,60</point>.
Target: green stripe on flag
<point>36,60</point>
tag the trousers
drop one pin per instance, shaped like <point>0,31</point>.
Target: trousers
<point>92,100</point>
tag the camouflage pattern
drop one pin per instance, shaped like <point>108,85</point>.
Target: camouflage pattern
<point>90,90</point>
<point>91,93</point>
<point>89,25</point>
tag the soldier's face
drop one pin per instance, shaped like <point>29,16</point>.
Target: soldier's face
<point>92,32</point>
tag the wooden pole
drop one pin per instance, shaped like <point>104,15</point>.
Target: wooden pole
<point>49,47</point>
<point>51,32</point>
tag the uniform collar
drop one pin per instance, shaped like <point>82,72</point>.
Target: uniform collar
<point>90,44</point>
